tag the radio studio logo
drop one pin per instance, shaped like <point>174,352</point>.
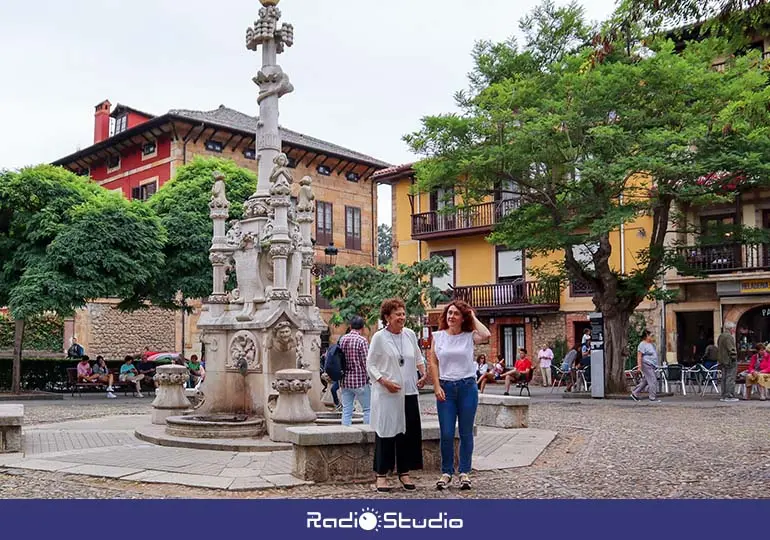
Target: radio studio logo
<point>370,519</point>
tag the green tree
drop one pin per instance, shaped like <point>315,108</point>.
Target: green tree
<point>359,290</point>
<point>582,136</point>
<point>384,244</point>
<point>65,240</point>
<point>182,206</point>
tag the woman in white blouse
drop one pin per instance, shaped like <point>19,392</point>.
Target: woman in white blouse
<point>393,362</point>
<point>454,383</point>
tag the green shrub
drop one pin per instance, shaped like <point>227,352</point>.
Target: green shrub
<point>42,333</point>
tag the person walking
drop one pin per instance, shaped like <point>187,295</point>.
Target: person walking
<point>544,359</point>
<point>453,370</point>
<point>354,384</point>
<point>727,356</point>
<point>647,362</point>
<point>393,362</point>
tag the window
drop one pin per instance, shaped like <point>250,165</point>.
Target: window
<point>214,146</point>
<point>323,223</point>
<point>583,254</point>
<point>446,282</point>
<point>321,301</point>
<point>352,228</point>
<point>149,149</point>
<point>511,340</point>
<point>324,170</point>
<point>84,172</point>
<point>292,163</point>
<point>250,153</point>
<point>353,177</point>
<point>510,265</point>
<point>144,192</point>
<point>121,123</point>
<point>113,163</point>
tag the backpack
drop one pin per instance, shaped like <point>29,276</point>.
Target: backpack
<point>334,366</point>
<point>75,351</point>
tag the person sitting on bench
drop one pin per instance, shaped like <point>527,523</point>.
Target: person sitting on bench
<point>197,372</point>
<point>520,371</point>
<point>88,375</point>
<point>128,373</point>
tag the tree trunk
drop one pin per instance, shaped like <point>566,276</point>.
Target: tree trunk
<point>616,327</point>
<point>18,339</point>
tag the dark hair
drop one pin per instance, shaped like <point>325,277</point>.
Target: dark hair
<point>99,357</point>
<point>522,349</point>
<point>464,309</point>
<point>500,357</point>
<point>480,356</point>
<point>390,305</point>
<point>646,334</point>
<point>357,322</point>
<point>193,358</point>
<point>128,357</point>
<point>84,357</point>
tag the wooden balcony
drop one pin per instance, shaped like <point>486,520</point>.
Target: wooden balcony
<point>725,258</point>
<point>473,219</point>
<point>518,296</point>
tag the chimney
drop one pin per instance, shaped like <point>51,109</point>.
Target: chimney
<point>102,121</point>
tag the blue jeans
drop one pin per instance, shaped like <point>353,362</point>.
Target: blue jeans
<point>363,395</point>
<point>335,387</point>
<point>462,399</point>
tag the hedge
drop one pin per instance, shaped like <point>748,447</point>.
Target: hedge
<point>43,333</point>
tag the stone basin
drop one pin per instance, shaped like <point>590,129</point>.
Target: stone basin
<point>215,426</point>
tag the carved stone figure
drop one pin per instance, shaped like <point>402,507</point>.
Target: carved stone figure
<point>234,235</point>
<point>281,339</point>
<point>299,339</point>
<point>243,351</point>
<point>306,196</point>
<point>280,177</point>
<point>272,81</point>
<point>218,197</point>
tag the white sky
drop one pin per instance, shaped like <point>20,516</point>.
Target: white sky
<point>364,71</point>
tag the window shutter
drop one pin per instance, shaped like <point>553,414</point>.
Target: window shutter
<point>136,193</point>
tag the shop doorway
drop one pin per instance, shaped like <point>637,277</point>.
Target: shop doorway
<point>578,328</point>
<point>753,327</point>
<point>694,329</point>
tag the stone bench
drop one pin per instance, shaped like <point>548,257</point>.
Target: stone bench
<point>502,411</point>
<point>346,453</point>
<point>11,419</point>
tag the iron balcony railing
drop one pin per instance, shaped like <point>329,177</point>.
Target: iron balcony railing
<point>465,220</point>
<point>501,295</point>
<point>724,258</point>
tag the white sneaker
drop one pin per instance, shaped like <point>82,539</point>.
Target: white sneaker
<point>110,395</point>
<point>732,399</point>
<point>110,388</point>
<point>139,394</point>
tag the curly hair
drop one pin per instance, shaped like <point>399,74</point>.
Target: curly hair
<point>389,306</point>
<point>464,309</point>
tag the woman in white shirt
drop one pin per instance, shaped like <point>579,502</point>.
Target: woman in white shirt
<point>454,383</point>
<point>545,357</point>
<point>392,364</point>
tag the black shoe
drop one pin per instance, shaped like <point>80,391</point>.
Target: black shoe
<point>634,397</point>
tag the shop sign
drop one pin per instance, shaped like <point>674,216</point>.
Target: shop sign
<point>755,286</point>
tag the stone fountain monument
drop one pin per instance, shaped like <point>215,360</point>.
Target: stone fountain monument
<point>262,339</point>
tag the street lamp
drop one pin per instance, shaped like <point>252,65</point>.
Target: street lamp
<point>322,270</point>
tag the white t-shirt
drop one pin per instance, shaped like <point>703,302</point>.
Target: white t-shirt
<point>455,355</point>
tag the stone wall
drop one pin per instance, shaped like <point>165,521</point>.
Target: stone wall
<point>103,329</point>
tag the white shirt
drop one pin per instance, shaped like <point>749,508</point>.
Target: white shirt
<point>545,356</point>
<point>387,408</point>
<point>455,355</point>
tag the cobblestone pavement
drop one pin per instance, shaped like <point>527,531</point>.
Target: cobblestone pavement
<point>605,449</point>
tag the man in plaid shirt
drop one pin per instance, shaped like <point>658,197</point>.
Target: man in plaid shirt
<point>355,382</point>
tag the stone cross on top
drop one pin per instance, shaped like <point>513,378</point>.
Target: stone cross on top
<point>273,83</point>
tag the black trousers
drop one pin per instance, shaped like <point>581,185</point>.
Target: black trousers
<point>402,453</point>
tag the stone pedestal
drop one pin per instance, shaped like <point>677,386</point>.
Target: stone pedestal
<point>293,406</point>
<point>11,419</point>
<point>503,411</point>
<point>170,398</point>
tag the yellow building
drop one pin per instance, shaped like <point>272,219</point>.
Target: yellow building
<point>499,282</point>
